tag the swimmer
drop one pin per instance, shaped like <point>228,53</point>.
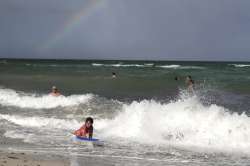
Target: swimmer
<point>86,130</point>
<point>113,75</point>
<point>190,83</point>
<point>55,92</point>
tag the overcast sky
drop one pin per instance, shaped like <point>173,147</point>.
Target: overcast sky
<point>126,29</point>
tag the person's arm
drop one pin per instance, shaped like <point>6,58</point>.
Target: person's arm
<point>77,132</point>
<point>80,132</point>
<point>90,132</point>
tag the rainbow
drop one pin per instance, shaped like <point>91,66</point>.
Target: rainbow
<point>68,27</point>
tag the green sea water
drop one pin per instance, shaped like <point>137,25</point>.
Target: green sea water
<point>145,116</point>
<point>134,78</point>
<point>223,83</point>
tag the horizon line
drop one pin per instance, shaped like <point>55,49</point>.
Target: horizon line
<point>89,59</point>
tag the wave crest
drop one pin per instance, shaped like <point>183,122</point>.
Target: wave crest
<point>37,122</point>
<point>10,97</point>
<point>184,122</point>
<point>180,67</point>
<point>120,65</point>
<point>240,65</point>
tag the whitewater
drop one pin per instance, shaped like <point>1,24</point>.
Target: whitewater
<point>184,123</point>
<point>144,116</point>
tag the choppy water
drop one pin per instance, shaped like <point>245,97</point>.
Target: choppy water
<point>144,116</point>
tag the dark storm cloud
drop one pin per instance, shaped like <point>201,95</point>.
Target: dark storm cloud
<point>126,29</point>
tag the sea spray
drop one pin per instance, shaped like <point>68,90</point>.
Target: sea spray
<point>186,122</point>
<point>9,97</point>
<point>37,122</point>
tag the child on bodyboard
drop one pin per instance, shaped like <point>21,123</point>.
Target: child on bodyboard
<point>86,131</point>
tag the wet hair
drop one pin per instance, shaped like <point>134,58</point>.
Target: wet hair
<point>191,80</point>
<point>89,119</point>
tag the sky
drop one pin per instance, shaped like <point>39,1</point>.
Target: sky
<point>213,30</point>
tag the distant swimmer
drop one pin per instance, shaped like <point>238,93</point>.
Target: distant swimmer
<point>176,78</point>
<point>113,75</point>
<point>55,92</point>
<point>190,83</point>
<point>86,130</point>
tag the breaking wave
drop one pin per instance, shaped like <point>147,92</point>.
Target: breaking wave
<point>120,65</point>
<point>180,67</point>
<point>186,122</point>
<point>9,97</point>
<point>37,122</point>
<point>240,65</point>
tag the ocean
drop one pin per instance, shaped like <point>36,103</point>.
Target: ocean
<point>144,116</point>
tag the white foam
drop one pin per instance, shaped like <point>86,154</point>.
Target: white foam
<point>240,65</point>
<point>174,66</point>
<point>10,97</point>
<point>180,67</point>
<point>27,137</point>
<point>192,67</point>
<point>182,123</point>
<point>126,65</point>
<point>149,64</point>
<point>37,122</point>
<point>169,66</point>
<point>97,64</point>
<point>119,65</point>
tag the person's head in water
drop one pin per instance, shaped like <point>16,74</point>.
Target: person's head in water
<point>113,74</point>
<point>89,122</point>
<point>190,83</point>
<point>54,89</point>
<point>189,79</point>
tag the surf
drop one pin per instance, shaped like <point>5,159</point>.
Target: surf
<point>9,97</point>
<point>185,122</point>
